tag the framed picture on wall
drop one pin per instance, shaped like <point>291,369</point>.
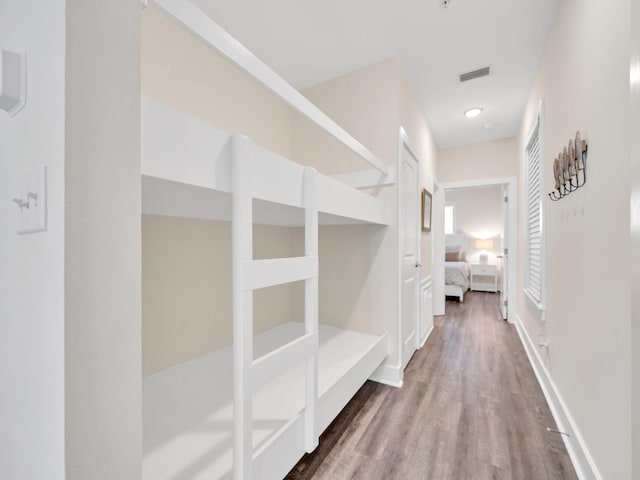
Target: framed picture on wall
<point>426,211</point>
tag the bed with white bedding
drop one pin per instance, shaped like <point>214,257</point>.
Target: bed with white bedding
<point>456,279</point>
<point>456,268</point>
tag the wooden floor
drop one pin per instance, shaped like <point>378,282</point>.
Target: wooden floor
<point>470,408</point>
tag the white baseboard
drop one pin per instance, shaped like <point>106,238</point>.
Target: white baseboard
<point>582,460</point>
<point>391,375</point>
<point>426,337</point>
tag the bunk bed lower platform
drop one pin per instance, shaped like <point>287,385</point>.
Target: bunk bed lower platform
<point>188,409</point>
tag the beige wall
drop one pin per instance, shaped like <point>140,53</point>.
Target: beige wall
<point>479,215</point>
<point>348,290</point>
<point>495,159</point>
<point>186,287</point>
<point>584,81</point>
<point>365,104</point>
<point>179,70</point>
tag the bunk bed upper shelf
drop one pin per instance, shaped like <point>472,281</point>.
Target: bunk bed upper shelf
<point>186,169</point>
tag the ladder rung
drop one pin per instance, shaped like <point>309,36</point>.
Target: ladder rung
<point>266,273</point>
<point>273,364</point>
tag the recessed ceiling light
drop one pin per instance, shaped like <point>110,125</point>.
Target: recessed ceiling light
<point>473,112</point>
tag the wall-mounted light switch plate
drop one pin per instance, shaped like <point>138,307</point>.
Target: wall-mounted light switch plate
<point>32,202</point>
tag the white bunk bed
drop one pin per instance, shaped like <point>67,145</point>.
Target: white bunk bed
<point>192,169</point>
<point>202,419</point>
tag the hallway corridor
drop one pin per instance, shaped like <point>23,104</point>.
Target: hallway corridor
<point>470,408</point>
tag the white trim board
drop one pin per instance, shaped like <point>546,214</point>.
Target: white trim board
<point>426,337</point>
<point>583,462</point>
<point>425,284</point>
<point>392,375</point>
<point>438,249</point>
<point>482,182</point>
<point>367,178</point>
<point>387,374</point>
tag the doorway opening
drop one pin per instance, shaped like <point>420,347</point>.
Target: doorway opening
<point>480,222</point>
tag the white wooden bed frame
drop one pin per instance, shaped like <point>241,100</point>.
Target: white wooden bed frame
<point>192,169</point>
<point>454,291</point>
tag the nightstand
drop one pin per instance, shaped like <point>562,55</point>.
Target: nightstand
<point>484,278</point>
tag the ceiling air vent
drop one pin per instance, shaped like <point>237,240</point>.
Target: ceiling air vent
<point>483,72</point>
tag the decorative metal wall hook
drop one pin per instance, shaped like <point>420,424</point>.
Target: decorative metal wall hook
<point>570,168</point>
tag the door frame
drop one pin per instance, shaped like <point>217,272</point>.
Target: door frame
<point>405,142</point>
<point>504,259</point>
<point>438,249</point>
<point>512,243</point>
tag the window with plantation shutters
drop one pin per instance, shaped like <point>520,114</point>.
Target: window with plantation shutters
<point>534,218</point>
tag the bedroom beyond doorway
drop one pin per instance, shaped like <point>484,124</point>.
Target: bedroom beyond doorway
<point>476,240</point>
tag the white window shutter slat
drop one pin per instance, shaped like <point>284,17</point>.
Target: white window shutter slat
<point>533,220</point>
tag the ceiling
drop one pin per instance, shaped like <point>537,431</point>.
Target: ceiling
<point>308,42</point>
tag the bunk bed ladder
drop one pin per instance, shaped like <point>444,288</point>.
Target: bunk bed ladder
<point>249,275</point>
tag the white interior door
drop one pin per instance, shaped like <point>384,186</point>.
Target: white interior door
<point>409,243</point>
<point>504,257</point>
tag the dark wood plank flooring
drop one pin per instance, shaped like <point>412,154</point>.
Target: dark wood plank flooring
<point>470,408</point>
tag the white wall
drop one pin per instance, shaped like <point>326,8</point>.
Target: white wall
<point>635,234</point>
<point>97,372</point>
<point>496,159</point>
<point>102,240</point>
<point>584,81</point>
<point>32,278</point>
